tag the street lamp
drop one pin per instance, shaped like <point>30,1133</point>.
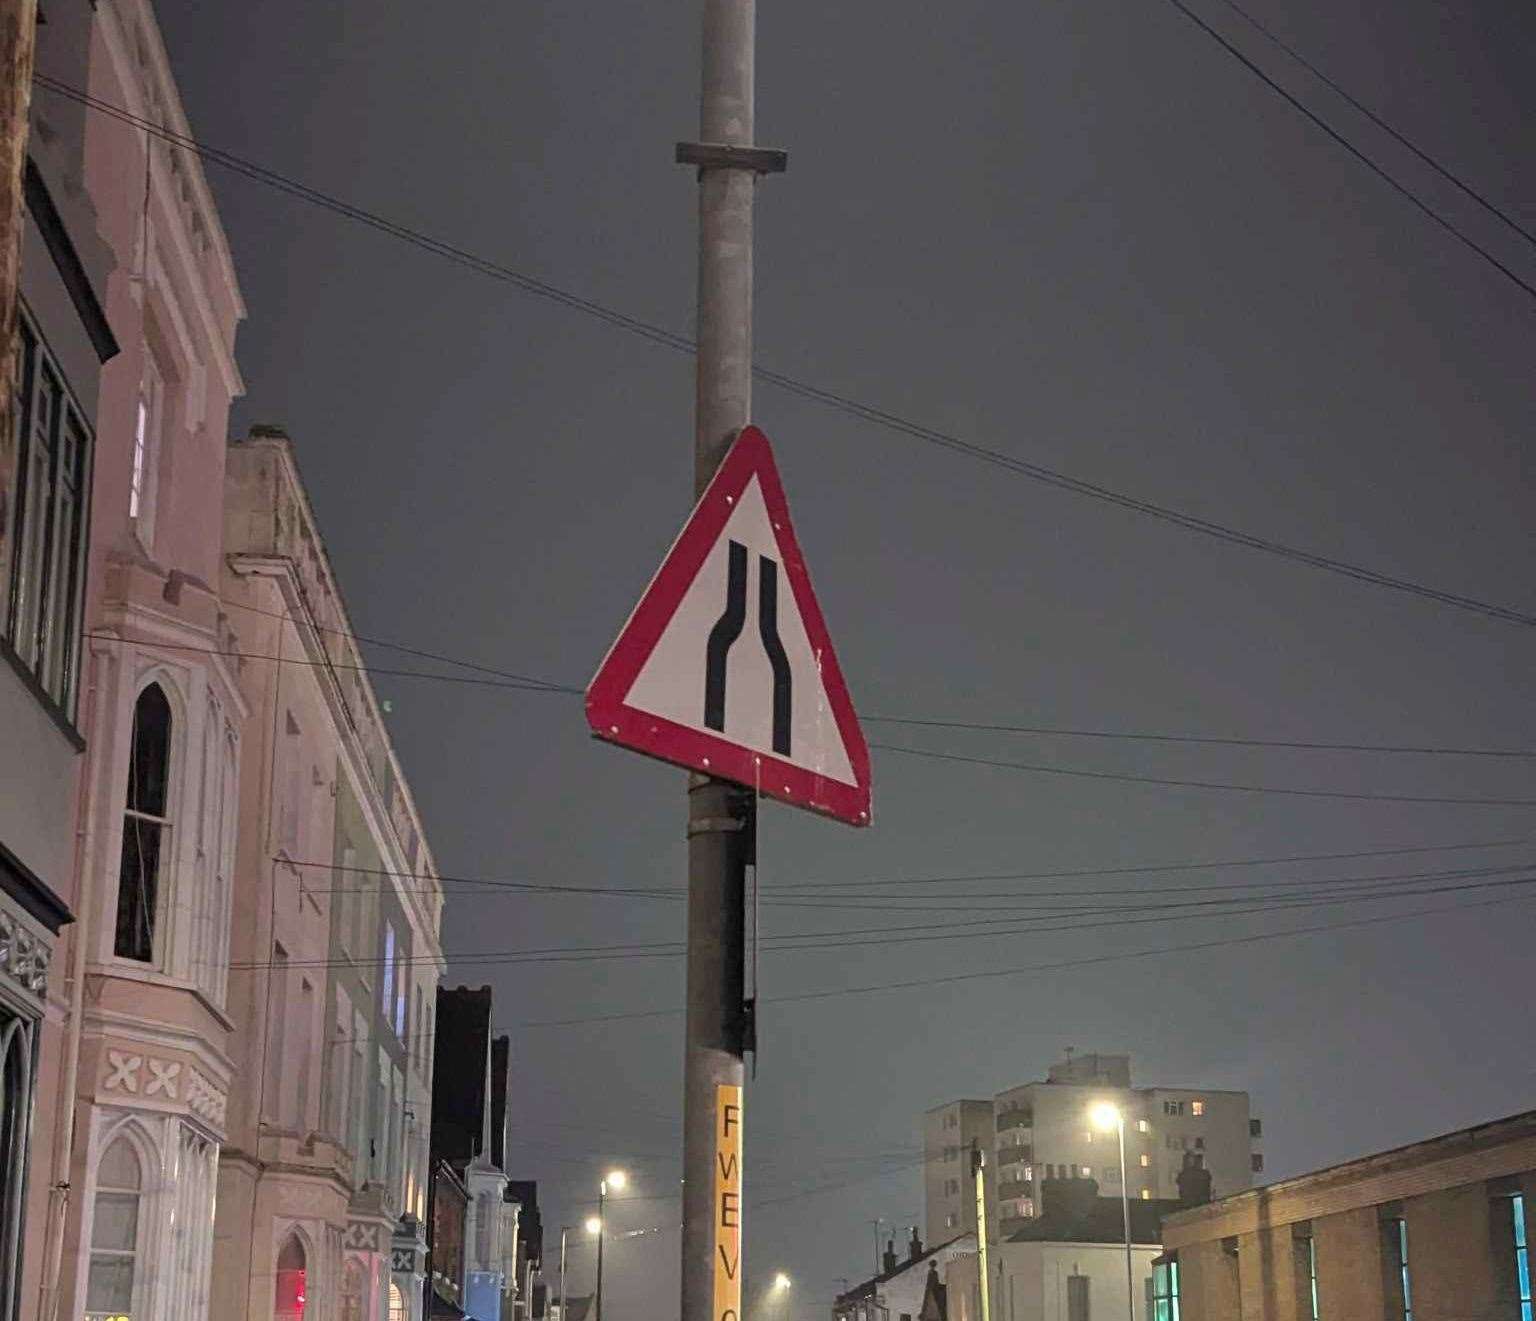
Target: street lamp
<point>781,1282</point>
<point>617,1180</point>
<point>1104,1116</point>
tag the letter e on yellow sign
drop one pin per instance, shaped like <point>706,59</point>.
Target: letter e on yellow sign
<point>727,1203</point>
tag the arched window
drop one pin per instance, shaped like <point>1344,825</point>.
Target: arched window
<point>288,1301</point>
<point>146,827</point>
<point>397,1310</point>
<point>115,1233</point>
<point>16,1062</point>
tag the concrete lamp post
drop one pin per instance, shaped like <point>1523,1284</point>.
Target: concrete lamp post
<point>615,1179</point>
<point>1106,1117</point>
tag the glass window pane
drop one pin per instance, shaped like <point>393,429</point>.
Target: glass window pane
<point>116,1224</point>
<point>150,758</point>
<point>119,1167</point>
<point>110,1287</point>
<point>1519,1213</point>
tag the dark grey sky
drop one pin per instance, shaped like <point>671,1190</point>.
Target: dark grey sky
<point>1078,233</point>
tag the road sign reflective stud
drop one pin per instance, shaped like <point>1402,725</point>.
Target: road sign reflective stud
<point>726,665</point>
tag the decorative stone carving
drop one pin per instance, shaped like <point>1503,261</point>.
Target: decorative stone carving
<point>362,1236</point>
<point>23,958</point>
<point>204,1099</point>
<point>123,1072</point>
<point>162,1078</point>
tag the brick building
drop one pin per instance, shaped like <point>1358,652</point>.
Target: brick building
<point>1436,1231</point>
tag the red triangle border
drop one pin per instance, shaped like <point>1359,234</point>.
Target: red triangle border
<point>610,718</point>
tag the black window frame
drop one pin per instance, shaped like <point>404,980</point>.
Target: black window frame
<point>46,652</point>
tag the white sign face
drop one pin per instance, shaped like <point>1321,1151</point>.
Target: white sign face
<point>738,631</point>
<point>726,665</point>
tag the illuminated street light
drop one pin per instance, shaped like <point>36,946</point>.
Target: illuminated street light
<point>617,1180</point>
<point>1105,1117</point>
<point>781,1281</point>
<point>1108,1118</point>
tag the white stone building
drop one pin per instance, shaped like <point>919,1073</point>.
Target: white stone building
<point>322,1190</point>
<point>1041,1130</point>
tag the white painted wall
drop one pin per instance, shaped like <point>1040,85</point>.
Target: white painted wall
<point>1031,1285</point>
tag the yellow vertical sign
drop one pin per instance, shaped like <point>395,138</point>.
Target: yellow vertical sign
<point>727,1203</point>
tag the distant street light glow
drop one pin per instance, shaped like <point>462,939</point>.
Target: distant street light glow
<point>594,1226</point>
<point>617,1180</point>
<point>781,1281</point>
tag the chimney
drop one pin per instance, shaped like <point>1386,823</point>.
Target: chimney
<point>914,1246</point>
<point>889,1259</point>
<point>1194,1181</point>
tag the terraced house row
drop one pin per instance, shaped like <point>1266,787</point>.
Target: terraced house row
<point>219,915</point>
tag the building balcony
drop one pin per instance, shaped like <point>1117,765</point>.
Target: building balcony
<point>1018,1117</point>
<point>1015,1153</point>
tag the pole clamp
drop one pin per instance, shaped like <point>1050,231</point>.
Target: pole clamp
<point>712,825</point>
<point>722,156</point>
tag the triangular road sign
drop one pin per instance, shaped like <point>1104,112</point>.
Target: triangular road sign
<point>726,666</point>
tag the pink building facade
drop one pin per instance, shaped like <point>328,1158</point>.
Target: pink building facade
<point>145,1069</point>
<point>218,913</point>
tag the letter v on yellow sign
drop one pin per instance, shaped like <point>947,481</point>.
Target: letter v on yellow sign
<point>727,1203</point>
<point>726,665</point>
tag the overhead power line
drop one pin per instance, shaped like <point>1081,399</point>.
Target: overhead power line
<point>1144,868</point>
<point>1372,890</point>
<point>883,901</point>
<point>543,686</point>
<point>524,681</point>
<point>1420,205</point>
<point>1223,785</point>
<point>1058,966</point>
<point>1333,85</point>
<point>830,398</point>
<point>1212,740</point>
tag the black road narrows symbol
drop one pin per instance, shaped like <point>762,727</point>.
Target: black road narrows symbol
<point>722,637</point>
<point>768,626</point>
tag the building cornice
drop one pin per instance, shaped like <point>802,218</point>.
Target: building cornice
<point>143,73</point>
<point>166,1036</point>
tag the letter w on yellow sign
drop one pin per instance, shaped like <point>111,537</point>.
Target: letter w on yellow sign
<point>727,1203</point>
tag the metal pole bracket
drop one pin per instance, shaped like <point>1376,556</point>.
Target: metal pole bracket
<point>721,156</point>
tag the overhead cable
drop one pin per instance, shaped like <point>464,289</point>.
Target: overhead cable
<point>830,398</point>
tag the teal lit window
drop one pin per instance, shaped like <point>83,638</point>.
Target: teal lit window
<point>1522,1258</point>
<point>1165,1290</point>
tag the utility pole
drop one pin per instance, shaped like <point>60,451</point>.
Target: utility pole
<point>978,1174</point>
<point>18,28</point>
<point>722,817</point>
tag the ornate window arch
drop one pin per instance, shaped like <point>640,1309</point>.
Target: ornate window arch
<point>118,1224</point>
<point>145,862</point>
<point>291,1277</point>
<point>18,1058</point>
